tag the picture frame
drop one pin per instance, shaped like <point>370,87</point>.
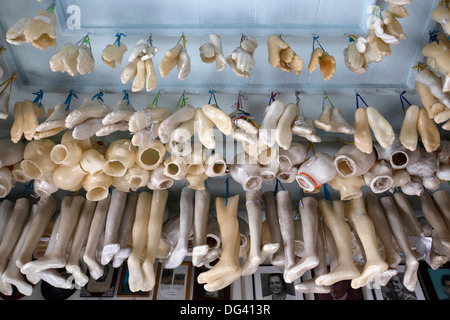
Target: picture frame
<point>395,290</point>
<point>124,288</point>
<point>270,285</point>
<point>103,287</point>
<point>173,284</point>
<point>341,290</point>
<point>436,283</point>
<point>247,288</point>
<point>199,292</point>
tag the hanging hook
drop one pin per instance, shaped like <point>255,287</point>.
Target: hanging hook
<point>297,101</point>
<point>150,40</point>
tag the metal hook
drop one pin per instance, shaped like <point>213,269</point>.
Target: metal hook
<point>150,40</point>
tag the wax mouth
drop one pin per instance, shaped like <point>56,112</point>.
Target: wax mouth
<point>59,154</point>
<point>399,160</point>
<point>97,194</point>
<point>150,157</point>
<point>345,166</point>
<point>253,183</point>
<point>30,169</point>
<point>284,162</point>
<point>114,168</point>
<point>165,184</point>
<point>172,169</point>
<point>136,182</point>
<point>381,184</point>
<point>305,183</point>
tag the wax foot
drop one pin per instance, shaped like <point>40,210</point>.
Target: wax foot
<point>341,272</point>
<point>305,264</point>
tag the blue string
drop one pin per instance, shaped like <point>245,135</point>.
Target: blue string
<point>272,97</point>
<point>98,96</point>
<point>402,97</point>
<point>39,96</point>
<point>227,190</point>
<point>357,100</point>
<point>211,96</point>
<point>316,39</point>
<point>327,194</point>
<point>275,191</point>
<point>433,36</point>
<point>302,195</point>
<point>118,35</point>
<point>28,187</point>
<point>69,99</point>
<point>126,97</point>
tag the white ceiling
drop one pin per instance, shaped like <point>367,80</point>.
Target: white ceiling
<point>295,20</point>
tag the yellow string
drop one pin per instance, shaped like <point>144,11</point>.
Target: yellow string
<point>353,37</point>
<point>419,66</point>
<point>8,84</point>
<point>74,195</point>
<point>311,147</point>
<point>184,40</point>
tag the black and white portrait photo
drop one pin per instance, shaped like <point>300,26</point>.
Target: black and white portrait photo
<point>270,285</point>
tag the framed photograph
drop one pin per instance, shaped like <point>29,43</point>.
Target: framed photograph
<point>248,292</point>
<point>173,284</point>
<point>436,283</point>
<point>395,290</point>
<point>199,292</point>
<point>270,285</point>
<point>102,287</point>
<point>124,288</point>
<point>341,290</point>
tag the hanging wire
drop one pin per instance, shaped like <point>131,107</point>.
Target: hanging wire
<point>155,100</point>
<point>126,97</point>
<point>183,37</point>
<point>324,99</point>
<point>227,189</point>
<point>327,193</point>
<point>311,147</point>
<point>29,187</point>
<point>352,38</point>
<point>433,36</point>
<point>150,40</point>
<point>39,95</point>
<point>376,11</point>
<point>297,102</point>
<point>277,183</point>
<point>243,37</point>
<point>272,96</point>
<point>358,96</point>
<point>419,66</point>
<point>119,35</point>
<point>181,102</point>
<point>84,40</point>
<point>316,39</point>
<point>52,7</point>
<point>8,83</point>
<point>213,96</point>
<point>238,104</point>
<point>98,96</point>
<point>402,98</point>
<point>69,99</point>
<point>302,195</point>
